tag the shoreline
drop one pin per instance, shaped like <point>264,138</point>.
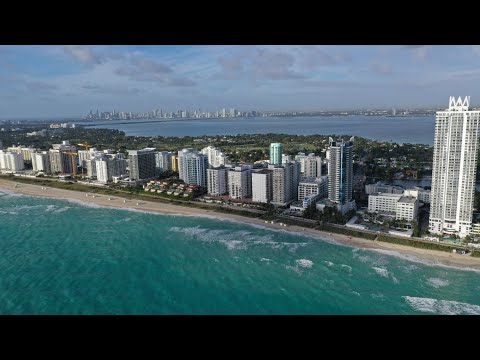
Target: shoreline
<point>419,255</point>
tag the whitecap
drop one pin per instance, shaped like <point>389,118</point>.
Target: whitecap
<point>442,307</point>
<point>437,282</point>
<point>381,271</point>
<point>348,267</point>
<point>305,263</point>
<point>329,263</point>
<point>265,259</point>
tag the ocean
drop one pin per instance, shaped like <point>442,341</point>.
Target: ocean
<point>414,130</point>
<point>62,257</point>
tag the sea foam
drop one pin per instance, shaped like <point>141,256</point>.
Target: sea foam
<point>442,307</point>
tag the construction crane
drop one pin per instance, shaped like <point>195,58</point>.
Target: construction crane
<point>73,160</point>
<point>85,145</point>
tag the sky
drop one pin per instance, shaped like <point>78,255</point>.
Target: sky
<point>71,80</point>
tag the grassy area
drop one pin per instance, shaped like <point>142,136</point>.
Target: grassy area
<point>345,231</point>
<point>476,253</point>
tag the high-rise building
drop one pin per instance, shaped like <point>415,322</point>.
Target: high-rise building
<point>110,165</point>
<point>340,175</point>
<point>1,145</point>
<point>11,161</point>
<point>240,182</point>
<point>454,168</point>
<point>262,186</point>
<point>276,150</point>
<point>195,168</point>
<point>25,151</point>
<point>279,185</point>
<point>142,164</point>
<point>83,157</point>
<point>163,161</point>
<point>41,162</point>
<point>217,181</point>
<point>61,162</point>
<point>182,174</point>
<point>313,166</point>
<point>216,157</point>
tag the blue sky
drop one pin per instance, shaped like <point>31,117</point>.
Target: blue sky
<point>71,80</point>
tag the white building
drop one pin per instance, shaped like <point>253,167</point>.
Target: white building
<point>11,161</point>
<point>163,161</point>
<point>217,181</point>
<point>41,162</point>
<point>216,157</point>
<point>25,151</point>
<point>262,186</point>
<point>285,181</point>
<point>181,162</point>
<point>240,182</point>
<point>313,166</point>
<point>380,187</point>
<point>194,169</point>
<point>420,193</point>
<point>313,186</point>
<point>403,207</point>
<point>454,168</point>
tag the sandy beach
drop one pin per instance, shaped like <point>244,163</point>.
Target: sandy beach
<point>414,254</point>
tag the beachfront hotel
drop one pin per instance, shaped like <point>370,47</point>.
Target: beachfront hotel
<point>262,186</point>
<point>276,150</point>
<point>454,169</point>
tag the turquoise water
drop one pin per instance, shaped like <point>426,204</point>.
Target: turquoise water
<point>59,257</point>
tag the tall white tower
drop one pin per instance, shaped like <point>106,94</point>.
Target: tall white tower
<point>454,168</point>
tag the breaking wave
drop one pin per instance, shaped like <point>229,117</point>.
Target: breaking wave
<point>305,263</point>
<point>235,240</point>
<point>437,282</point>
<point>381,271</point>
<point>442,307</point>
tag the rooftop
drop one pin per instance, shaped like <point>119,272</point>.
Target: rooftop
<point>408,199</point>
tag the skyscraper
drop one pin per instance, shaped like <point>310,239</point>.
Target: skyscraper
<point>217,181</point>
<point>195,169</point>
<point>142,164</point>
<point>454,168</point>
<point>276,150</point>
<point>340,175</point>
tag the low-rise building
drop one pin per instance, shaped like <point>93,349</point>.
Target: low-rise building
<point>403,206</point>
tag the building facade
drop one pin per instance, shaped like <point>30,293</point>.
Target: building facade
<point>41,162</point>
<point>276,150</point>
<point>11,161</point>
<point>313,186</point>
<point>163,162</point>
<point>402,206</point>
<point>454,168</point>
<point>340,176</point>
<point>262,186</point>
<point>142,164</point>
<point>217,181</point>
<point>216,157</point>
<point>194,168</point>
<point>240,182</point>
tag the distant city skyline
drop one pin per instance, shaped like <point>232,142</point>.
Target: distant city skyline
<point>56,81</point>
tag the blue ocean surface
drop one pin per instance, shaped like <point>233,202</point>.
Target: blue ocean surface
<point>61,257</point>
<point>400,129</point>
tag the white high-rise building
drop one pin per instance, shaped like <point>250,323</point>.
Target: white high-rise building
<point>454,168</point>
<point>11,161</point>
<point>182,169</point>
<point>41,162</point>
<point>217,181</point>
<point>163,162</point>
<point>195,168</point>
<point>262,186</point>
<point>240,182</point>
<point>216,157</point>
